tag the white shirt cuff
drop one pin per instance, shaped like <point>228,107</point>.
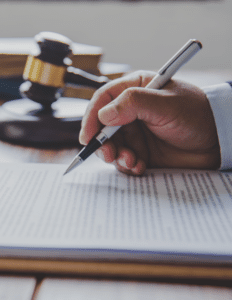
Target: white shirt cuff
<point>220,99</point>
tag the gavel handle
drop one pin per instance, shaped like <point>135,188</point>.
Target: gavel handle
<point>78,76</point>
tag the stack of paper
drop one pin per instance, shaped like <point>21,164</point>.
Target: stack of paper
<point>98,221</point>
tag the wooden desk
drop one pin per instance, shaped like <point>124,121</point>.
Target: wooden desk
<point>20,154</point>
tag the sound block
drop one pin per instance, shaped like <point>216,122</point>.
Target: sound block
<point>24,122</point>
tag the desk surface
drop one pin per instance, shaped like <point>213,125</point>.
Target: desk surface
<point>119,290</point>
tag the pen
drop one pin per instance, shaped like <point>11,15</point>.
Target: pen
<point>162,77</point>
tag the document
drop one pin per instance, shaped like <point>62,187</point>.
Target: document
<point>72,289</point>
<point>96,212</point>
<point>16,288</point>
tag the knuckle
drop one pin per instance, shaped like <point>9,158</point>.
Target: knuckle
<point>133,95</point>
<point>143,76</point>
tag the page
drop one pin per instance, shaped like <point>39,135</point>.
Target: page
<point>72,289</point>
<point>16,288</point>
<point>97,207</point>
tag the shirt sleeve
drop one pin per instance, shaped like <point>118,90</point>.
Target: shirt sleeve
<point>220,99</point>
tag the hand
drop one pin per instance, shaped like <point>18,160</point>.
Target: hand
<point>168,128</point>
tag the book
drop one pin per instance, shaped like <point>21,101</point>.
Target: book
<point>14,52</point>
<point>96,221</point>
<point>9,88</point>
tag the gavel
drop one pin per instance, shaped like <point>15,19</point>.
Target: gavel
<point>47,71</point>
<point>43,118</point>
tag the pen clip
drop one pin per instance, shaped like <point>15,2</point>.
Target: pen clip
<point>178,54</point>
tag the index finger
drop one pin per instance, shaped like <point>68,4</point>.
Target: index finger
<point>90,123</point>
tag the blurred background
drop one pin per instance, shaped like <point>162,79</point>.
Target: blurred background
<point>143,34</point>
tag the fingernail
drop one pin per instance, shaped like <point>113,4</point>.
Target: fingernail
<point>99,154</point>
<point>80,137</point>
<point>108,112</point>
<point>122,163</point>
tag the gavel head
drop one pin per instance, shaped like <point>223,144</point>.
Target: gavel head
<point>45,70</point>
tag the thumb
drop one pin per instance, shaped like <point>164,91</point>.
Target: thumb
<point>134,103</point>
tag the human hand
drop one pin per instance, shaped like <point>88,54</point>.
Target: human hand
<point>168,128</point>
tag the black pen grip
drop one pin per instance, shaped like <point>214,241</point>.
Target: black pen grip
<point>92,146</point>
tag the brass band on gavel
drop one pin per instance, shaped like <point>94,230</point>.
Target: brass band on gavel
<point>44,73</point>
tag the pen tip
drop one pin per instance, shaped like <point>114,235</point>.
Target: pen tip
<point>76,162</point>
